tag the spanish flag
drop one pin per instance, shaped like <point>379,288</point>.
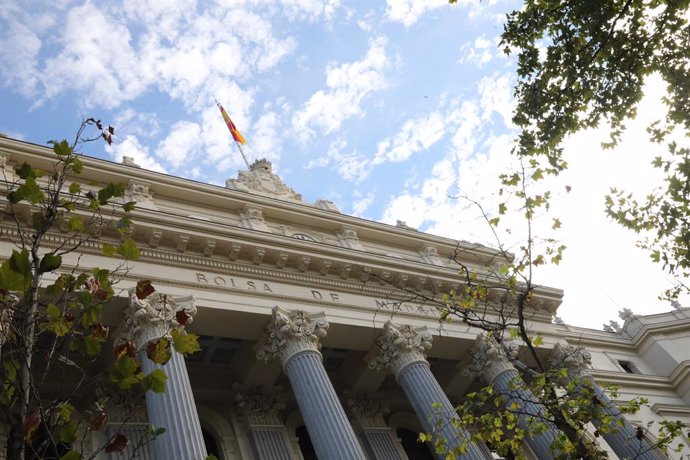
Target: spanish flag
<point>231,126</point>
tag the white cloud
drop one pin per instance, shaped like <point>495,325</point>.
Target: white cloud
<point>19,48</point>
<point>347,86</point>
<point>478,53</point>
<point>360,205</point>
<point>131,147</point>
<point>496,97</point>
<point>181,144</point>
<point>414,136</point>
<point>409,11</point>
<point>96,60</point>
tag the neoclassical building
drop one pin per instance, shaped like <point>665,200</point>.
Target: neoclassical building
<point>314,343</point>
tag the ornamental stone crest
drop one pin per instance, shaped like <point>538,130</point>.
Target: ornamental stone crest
<point>260,179</point>
<point>399,346</point>
<point>156,316</point>
<point>291,332</point>
<point>575,359</point>
<point>490,358</point>
<point>259,406</point>
<point>348,238</point>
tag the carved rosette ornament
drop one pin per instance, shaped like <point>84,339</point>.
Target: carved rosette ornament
<point>368,410</point>
<point>490,359</point>
<point>575,359</point>
<point>259,407</point>
<point>400,346</point>
<point>290,333</point>
<point>156,316</point>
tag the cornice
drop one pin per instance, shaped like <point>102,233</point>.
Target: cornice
<point>223,198</point>
<point>671,410</point>
<point>594,339</point>
<point>626,380</point>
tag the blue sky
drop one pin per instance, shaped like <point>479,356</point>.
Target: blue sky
<point>387,109</point>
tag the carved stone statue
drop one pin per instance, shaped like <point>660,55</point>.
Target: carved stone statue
<point>260,178</point>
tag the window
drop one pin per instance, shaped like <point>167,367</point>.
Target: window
<point>302,236</point>
<point>414,449</point>
<point>628,367</point>
<point>305,445</point>
<point>211,444</point>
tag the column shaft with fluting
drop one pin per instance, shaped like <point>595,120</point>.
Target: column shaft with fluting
<point>401,350</point>
<point>620,435</point>
<point>149,320</point>
<point>490,361</point>
<point>175,410</point>
<point>294,337</point>
<point>269,443</point>
<point>367,411</point>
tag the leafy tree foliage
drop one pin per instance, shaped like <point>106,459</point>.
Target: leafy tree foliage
<point>51,310</point>
<point>584,63</point>
<point>580,64</point>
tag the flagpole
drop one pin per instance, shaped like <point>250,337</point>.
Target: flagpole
<point>239,147</point>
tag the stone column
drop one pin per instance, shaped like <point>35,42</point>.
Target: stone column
<point>367,412</point>
<point>259,410</point>
<point>401,350</point>
<point>151,319</point>
<point>294,336</point>
<point>491,362</point>
<point>622,435</point>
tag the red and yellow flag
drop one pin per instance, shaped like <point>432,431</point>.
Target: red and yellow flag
<point>231,126</point>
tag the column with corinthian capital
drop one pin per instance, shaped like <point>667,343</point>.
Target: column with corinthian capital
<point>293,336</point>
<point>401,350</point>
<point>259,409</point>
<point>490,361</point>
<point>368,412</point>
<point>622,435</point>
<point>150,319</point>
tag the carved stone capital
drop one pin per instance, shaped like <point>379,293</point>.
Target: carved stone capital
<point>259,406</point>
<point>489,358</point>
<point>368,410</point>
<point>575,359</point>
<point>400,346</point>
<point>290,333</point>
<point>156,316</point>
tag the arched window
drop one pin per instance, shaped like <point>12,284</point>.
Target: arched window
<point>211,444</point>
<point>305,445</point>
<point>414,449</point>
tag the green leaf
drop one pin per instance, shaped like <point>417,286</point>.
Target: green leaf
<point>74,188</point>
<point>155,381</point>
<point>128,250</point>
<point>125,372</point>
<point>109,250</point>
<point>159,351</point>
<point>62,148</point>
<point>37,221</point>
<point>25,171</point>
<point>75,224</point>
<point>77,166</point>
<point>129,206</point>
<point>50,262</point>
<point>185,343</point>
<point>15,272</point>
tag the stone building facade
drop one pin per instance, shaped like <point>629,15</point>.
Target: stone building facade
<point>314,344</point>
